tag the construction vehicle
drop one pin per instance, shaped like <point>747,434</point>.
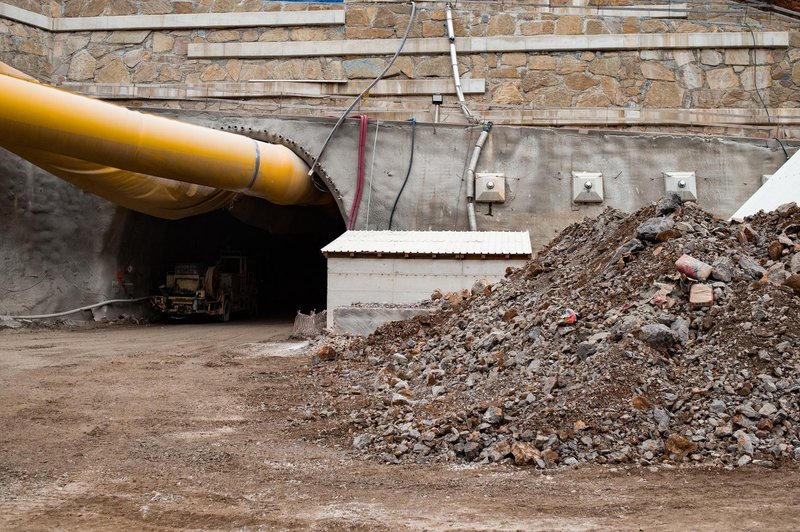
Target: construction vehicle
<point>220,290</point>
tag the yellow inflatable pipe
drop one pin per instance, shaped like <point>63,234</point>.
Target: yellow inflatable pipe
<point>117,153</point>
<point>156,196</point>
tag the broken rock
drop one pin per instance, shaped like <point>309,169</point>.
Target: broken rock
<point>701,295</point>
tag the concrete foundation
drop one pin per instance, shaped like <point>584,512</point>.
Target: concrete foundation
<point>363,321</point>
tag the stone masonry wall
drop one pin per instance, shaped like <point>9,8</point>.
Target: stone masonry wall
<point>26,48</point>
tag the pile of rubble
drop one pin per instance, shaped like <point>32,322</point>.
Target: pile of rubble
<point>666,335</point>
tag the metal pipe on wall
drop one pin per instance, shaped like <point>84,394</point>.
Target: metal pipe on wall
<point>470,175</point>
<point>451,36</point>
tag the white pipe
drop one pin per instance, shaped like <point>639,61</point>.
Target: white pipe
<point>470,176</point>
<point>73,311</point>
<point>451,35</point>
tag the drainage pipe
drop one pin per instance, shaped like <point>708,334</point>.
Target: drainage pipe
<point>451,35</point>
<point>73,311</point>
<point>470,175</point>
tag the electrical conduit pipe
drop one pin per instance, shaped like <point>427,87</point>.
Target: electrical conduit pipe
<point>470,175</point>
<point>451,36</point>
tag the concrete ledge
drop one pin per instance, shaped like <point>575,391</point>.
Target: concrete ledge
<point>273,89</point>
<point>676,10</point>
<point>645,11</point>
<point>661,117</point>
<point>477,45</point>
<point>363,321</point>
<point>26,17</point>
<point>600,117</point>
<point>326,17</point>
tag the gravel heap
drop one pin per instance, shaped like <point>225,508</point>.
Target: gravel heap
<point>593,352</point>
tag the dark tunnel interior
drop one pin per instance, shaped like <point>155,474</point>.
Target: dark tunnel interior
<point>281,243</point>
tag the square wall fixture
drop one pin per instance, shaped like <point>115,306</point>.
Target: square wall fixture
<point>684,184</point>
<point>587,187</point>
<point>490,188</point>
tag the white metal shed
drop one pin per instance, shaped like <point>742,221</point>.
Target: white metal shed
<point>403,267</point>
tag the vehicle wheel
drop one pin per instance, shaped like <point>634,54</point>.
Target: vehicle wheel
<point>226,312</point>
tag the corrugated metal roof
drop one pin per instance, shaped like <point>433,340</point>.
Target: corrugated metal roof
<point>438,243</point>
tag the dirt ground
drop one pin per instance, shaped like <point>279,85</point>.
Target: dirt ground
<point>200,426</point>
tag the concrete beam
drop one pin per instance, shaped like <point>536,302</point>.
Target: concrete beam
<point>676,10</point>
<point>26,17</point>
<point>662,117</point>
<point>326,17</point>
<point>477,45</point>
<point>363,321</point>
<point>273,89</point>
<point>644,11</point>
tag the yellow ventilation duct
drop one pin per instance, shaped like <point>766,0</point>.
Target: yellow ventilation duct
<point>121,154</point>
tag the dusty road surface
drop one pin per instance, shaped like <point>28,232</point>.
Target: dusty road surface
<point>200,426</point>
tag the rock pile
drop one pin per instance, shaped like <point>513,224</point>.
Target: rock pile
<point>599,350</point>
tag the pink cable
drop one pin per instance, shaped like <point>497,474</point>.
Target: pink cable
<point>362,142</point>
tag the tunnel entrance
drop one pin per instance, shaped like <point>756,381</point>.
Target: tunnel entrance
<point>282,245</point>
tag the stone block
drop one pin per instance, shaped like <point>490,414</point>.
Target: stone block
<point>514,59</point>
<point>568,64</point>
<point>653,26</point>
<point>594,97</point>
<point>569,25</point>
<point>663,94</point>
<point>538,79</point>
<point>683,57</point>
<point>356,16</point>
<point>552,97</point>
<point>309,34</point>
<point>756,78</point>
<point>145,73</point>
<point>737,57</point>
<point>710,57</point>
<point>502,24</point>
<point>579,82</point>
<point>543,27</point>
<point>722,78</point>
<point>433,67</point>
<point>605,66</point>
<point>162,43</point>
<point>127,37</point>
<point>363,68</point>
<point>542,62</point>
<point>214,72</point>
<point>507,94</point>
<point>657,71</point>
<point>114,72</point>
<point>596,27</point>
<point>223,36</point>
<point>691,76</point>
<point>82,66</point>
<point>433,28</point>
<point>134,57</point>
